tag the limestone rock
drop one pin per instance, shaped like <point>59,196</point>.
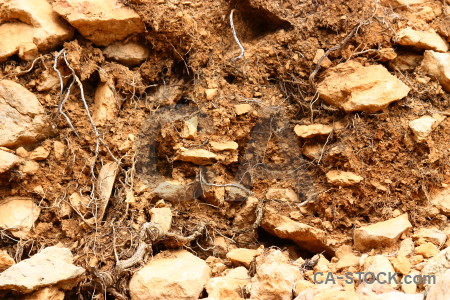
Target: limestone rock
<point>242,256</point>
<point>101,22</point>
<point>395,295</point>
<point>48,80</point>
<point>170,275</point>
<point>440,290</point>
<point>275,277</point>
<point>382,268</point>
<point>342,178</point>
<point>189,130</point>
<point>129,54</point>
<point>200,157</point>
<point>53,266</point>
<point>326,62</point>
<point>29,167</point>
<point>432,235</point>
<point>173,191</point>
<point>305,236</point>
<point>282,195</point>
<point>222,146</point>
<point>402,264</point>
<point>59,149</point>
<point>348,260</point>
<point>410,287</point>
<point>427,250</point>
<point>441,200</point>
<point>105,105</point>
<point>422,127</point>
<point>406,247</point>
<point>39,28</point>
<point>438,264</point>
<point>22,117</point>
<point>211,94</point>
<point>48,293</point>
<point>40,153</point>
<point>6,261</point>
<point>381,234</point>
<point>242,109</point>
<point>309,131</point>
<point>163,217</point>
<point>312,151</point>
<point>18,214</point>
<point>7,161</point>
<point>354,87</point>
<point>428,40</point>
<point>228,287</point>
<point>438,65</point>
<point>105,183</point>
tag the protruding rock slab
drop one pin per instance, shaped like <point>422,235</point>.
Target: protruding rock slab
<point>101,22</point>
<point>200,157</point>
<point>354,87</point>
<point>170,275</point>
<point>305,236</point>
<point>242,256</point>
<point>343,178</point>
<point>22,117</point>
<point>7,161</point>
<point>51,266</point>
<point>105,105</point>
<point>438,65</point>
<point>428,40</point>
<point>309,131</point>
<point>17,215</point>
<point>381,234</point>
<point>129,54</point>
<point>174,191</point>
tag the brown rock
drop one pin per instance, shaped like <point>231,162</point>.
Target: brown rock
<point>242,109</point>
<point>101,22</point>
<point>437,65</point>
<point>162,216</point>
<point>189,130</point>
<point>422,127</point>
<point>211,94</point>
<point>222,146</point>
<point>309,131</point>
<point>40,153</point>
<point>18,214</point>
<point>282,195</point>
<point>410,287</point>
<point>406,247</point>
<point>441,199</point>
<point>428,40</point>
<point>48,293</point>
<point>343,178</point>
<point>427,250</point>
<point>432,235</point>
<point>382,268</point>
<point>348,260</point>
<point>228,287</point>
<point>326,62</point>
<point>59,149</point>
<point>402,264</point>
<point>6,261</point>
<point>437,265</point>
<point>105,183</point>
<point>312,151</point>
<point>29,167</point>
<point>200,157</point>
<point>7,161</point>
<point>129,54</point>
<point>12,37</point>
<point>105,105</point>
<point>354,87</point>
<point>440,290</point>
<point>381,234</point>
<point>242,256</point>
<point>173,191</point>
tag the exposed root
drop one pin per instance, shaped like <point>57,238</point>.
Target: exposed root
<point>236,38</point>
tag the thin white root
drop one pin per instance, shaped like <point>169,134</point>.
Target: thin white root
<point>236,38</point>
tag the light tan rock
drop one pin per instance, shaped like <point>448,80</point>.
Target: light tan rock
<point>428,40</point>
<point>17,215</point>
<point>29,167</point>
<point>343,178</point>
<point>406,247</point>
<point>408,284</point>
<point>309,131</point>
<point>6,261</point>
<point>170,275</point>
<point>105,184</point>
<point>211,94</point>
<point>348,260</point>
<point>395,295</point>
<point>59,149</point>
<point>382,268</point>
<point>354,87</point>
<point>427,250</point>
<point>228,287</point>
<point>173,191</point>
<point>222,146</point>
<point>326,62</point>
<point>48,80</point>
<point>440,290</point>
<point>105,105</point>
<point>79,202</point>
<point>48,293</point>
<point>242,109</point>
<point>275,277</point>
<point>7,161</point>
<point>301,285</point>
<point>402,264</point>
<point>395,3</point>
<point>437,265</point>
<point>22,152</point>
<point>312,151</point>
<point>189,130</point>
<point>422,127</point>
<point>381,234</point>
<point>40,153</point>
<point>162,216</point>
<point>441,200</point>
<point>336,295</point>
<point>406,62</point>
<point>305,236</point>
<point>101,22</point>
<point>129,54</point>
<point>246,215</point>
<point>242,256</point>
<point>197,156</point>
<point>22,117</point>
<point>432,235</point>
<point>12,37</point>
<point>53,266</point>
<point>286,194</point>
<point>438,65</point>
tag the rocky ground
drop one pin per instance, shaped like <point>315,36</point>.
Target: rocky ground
<point>224,149</point>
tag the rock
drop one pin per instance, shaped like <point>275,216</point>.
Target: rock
<point>432,235</point>
<point>354,87</point>
<point>401,264</point>
<point>7,161</point>
<point>53,266</point>
<point>437,65</point>
<point>79,203</point>
<point>22,117</point>
<point>40,153</point>
<point>275,277</point>
<point>382,268</point>
<point>48,80</point>
<point>173,191</point>
<point>246,214</point>
<point>17,215</point>
<point>312,151</point>
<point>228,287</point>
<point>305,236</point>
<point>222,146</point>
<point>48,293</point>
<point>326,62</point>
<point>406,62</point>
<point>129,54</point>
<point>189,130</point>
<point>402,2</point>
<point>39,29</point>
<point>242,109</point>
<point>381,234</point>
<point>105,105</point>
<point>395,295</point>
<point>406,247</point>
<point>334,294</point>
<point>427,250</point>
<point>440,290</point>
<point>438,264</point>
<point>302,285</point>
<point>101,22</point>
<point>162,216</point>
<point>343,178</point>
<point>441,199</point>
<point>428,40</point>
<point>211,94</point>
<point>105,184</point>
<point>59,149</point>
<point>348,260</point>
<point>197,156</point>
<point>422,127</point>
<point>6,261</point>
<point>22,152</point>
<point>309,131</point>
<point>29,167</point>
<point>242,256</point>
<point>282,195</point>
<point>170,275</point>
<point>408,286</point>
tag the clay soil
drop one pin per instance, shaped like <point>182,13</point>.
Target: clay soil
<point>192,51</point>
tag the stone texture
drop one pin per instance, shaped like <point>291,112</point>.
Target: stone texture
<point>440,290</point>
<point>228,287</point>
<point>17,215</point>
<point>438,264</point>
<point>382,268</point>
<point>381,234</point>
<point>354,87</point>
<point>39,29</point>
<point>59,149</point>
<point>309,131</point>
<point>48,293</point>
<point>105,184</point>
<point>326,62</point>
<point>222,146</point>
<point>395,295</point>
<point>53,266</point>
<point>402,264</point>
<point>162,216</point>
<point>6,261</point>
<point>29,167</point>
<point>200,157</point>
<point>242,109</point>
<point>105,105</point>
<point>22,117</point>
<point>242,256</point>
<point>211,94</point>
<point>441,200</point>
<point>348,260</point>
<point>438,65</point>
<point>170,275</point>
<point>428,40</point>
<point>342,178</point>
<point>432,235</point>
<point>275,277</point>
<point>406,247</point>
<point>422,127</point>
<point>173,191</point>
<point>189,130</point>
<point>7,161</point>
<point>129,54</point>
<point>305,236</point>
<point>101,22</point>
<point>427,250</point>
<point>40,153</point>
<point>286,194</point>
